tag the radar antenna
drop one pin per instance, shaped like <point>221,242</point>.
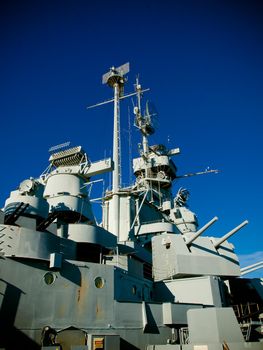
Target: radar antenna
<point>181,197</point>
<point>150,118</point>
<point>59,147</point>
<point>143,122</point>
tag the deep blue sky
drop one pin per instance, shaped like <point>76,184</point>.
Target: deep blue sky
<point>203,63</point>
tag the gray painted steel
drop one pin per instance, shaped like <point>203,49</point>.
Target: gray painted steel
<point>142,279</point>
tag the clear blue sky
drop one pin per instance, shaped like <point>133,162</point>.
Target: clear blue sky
<point>203,63</point>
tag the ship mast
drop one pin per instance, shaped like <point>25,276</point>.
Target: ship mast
<point>139,118</point>
<point>115,79</point>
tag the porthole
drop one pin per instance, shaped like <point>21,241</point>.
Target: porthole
<point>99,282</point>
<point>49,278</point>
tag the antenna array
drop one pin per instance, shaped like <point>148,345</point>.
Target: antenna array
<point>58,147</point>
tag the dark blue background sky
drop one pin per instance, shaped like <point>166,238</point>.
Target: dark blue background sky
<point>203,63</point>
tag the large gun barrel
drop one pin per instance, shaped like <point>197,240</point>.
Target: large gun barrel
<point>251,268</point>
<point>230,233</point>
<point>190,240</point>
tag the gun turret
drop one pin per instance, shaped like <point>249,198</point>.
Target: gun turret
<point>190,240</point>
<point>230,233</point>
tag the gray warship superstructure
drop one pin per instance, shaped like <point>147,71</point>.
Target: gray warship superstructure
<point>145,278</point>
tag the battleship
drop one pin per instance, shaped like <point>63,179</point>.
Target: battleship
<point>145,278</point>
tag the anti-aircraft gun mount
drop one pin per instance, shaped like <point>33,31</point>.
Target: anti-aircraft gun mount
<point>146,278</point>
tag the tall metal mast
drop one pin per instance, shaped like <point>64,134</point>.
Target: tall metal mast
<point>115,79</point>
<point>143,122</point>
<point>140,119</point>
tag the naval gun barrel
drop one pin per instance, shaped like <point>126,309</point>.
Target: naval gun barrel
<point>190,240</point>
<point>230,233</point>
<point>251,268</point>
